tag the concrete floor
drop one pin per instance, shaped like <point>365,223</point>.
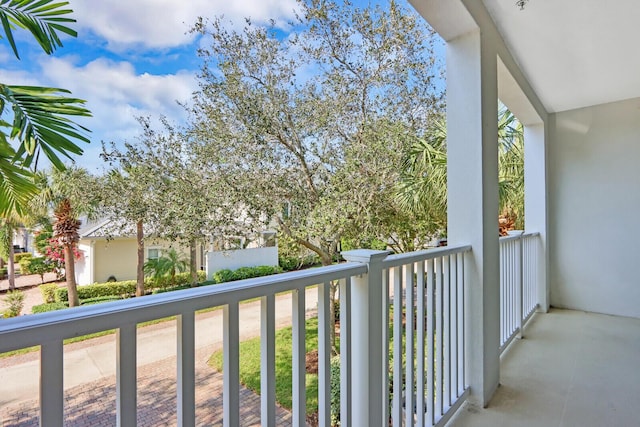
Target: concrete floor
<point>572,369</point>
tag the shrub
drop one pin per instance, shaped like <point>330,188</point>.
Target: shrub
<point>97,300</point>
<point>170,289</point>
<point>180,279</point>
<point>15,302</point>
<point>20,256</point>
<point>50,306</point>
<point>48,292</point>
<point>38,265</point>
<point>335,390</point>
<point>3,272</point>
<point>126,288</point>
<point>25,263</point>
<point>226,275</point>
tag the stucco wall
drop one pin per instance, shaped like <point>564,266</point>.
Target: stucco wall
<point>594,209</point>
<point>115,258</point>
<point>235,259</point>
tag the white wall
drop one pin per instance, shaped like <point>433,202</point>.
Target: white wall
<point>594,209</point>
<point>232,260</point>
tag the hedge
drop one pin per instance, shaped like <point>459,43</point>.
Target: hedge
<point>51,306</point>
<point>126,288</point>
<point>21,255</point>
<point>99,290</point>
<point>226,275</point>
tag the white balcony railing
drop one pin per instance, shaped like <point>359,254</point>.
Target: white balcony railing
<point>518,284</point>
<point>428,372</point>
<point>423,290</point>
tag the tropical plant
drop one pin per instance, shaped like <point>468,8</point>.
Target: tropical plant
<point>65,230</point>
<point>15,302</point>
<point>423,187</point>
<point>168,263</point>
<point>37,117</point>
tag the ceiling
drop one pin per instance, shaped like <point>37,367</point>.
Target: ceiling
<point>574,53</point>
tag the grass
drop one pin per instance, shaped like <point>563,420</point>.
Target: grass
<point>250,365</point>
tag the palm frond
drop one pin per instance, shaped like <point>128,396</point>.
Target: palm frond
<point>40,122</point>
<point>44,19</point>
<point>17,186</point>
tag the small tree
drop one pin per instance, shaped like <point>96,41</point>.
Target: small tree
<point>168,264</point>
<point>65,231</point>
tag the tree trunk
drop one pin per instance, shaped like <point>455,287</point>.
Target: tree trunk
<point>11,267</point>
<point>70,273</point>
<point>140,268</point>
<point>193,269</point>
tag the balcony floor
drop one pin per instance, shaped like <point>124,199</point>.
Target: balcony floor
<point>572,369</point>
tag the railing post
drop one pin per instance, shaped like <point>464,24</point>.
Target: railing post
<point>368,377</point>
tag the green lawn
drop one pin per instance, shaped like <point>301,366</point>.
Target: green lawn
<point>250,365</point>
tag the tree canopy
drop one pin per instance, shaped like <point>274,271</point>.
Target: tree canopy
<point>308,131</point>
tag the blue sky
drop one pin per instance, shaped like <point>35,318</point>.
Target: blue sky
<point>131,58</point>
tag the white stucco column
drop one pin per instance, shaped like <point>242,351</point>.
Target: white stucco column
<point>472,144</point>
<point>535,201</point>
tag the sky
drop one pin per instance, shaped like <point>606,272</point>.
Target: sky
<point>130,59</point>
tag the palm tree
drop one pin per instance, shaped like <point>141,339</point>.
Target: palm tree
<point>38,115</point>
<point>168,264</point>
<point>70,193</point>
<point>65,230</point>
<point>423,183</point>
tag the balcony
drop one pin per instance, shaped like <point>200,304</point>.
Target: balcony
<point>432,287</point>
<point>572,369</point>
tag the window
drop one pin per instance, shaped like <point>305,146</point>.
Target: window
<point>153,253</point>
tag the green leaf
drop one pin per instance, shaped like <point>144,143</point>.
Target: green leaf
<point>40,122</point>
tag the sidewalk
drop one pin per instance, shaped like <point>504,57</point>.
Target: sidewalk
<point>27,281</point>
<point>89,374</point>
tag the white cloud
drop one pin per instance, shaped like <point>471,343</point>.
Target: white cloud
<point>164,23</point>
<point>115,94</point>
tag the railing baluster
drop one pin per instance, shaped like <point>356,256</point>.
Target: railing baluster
<point>410,345</point>
<point>231,368</point>
<point>186,383</point>
<point>268,361</point>
<point>299,368</point>
<point>385,341</point>
<point>421,344</point>
<point>439,340</point>
<point>324,356</point>
<point>345,352</point>
<point>431,362</point>
<point>446,332</point>
<point>453,341</point>
<point>126,377</point>
<point>461,326</point>
<point>502,292</point>
<point>519,288</point>
<point>51,384</point>
<point>397,348</point>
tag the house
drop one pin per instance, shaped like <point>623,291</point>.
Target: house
<point>568,70</point>
<point>108,250</point>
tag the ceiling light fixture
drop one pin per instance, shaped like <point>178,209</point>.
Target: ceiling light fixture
<point>521,3</point>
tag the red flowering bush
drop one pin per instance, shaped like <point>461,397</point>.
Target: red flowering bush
<point>54,252</point>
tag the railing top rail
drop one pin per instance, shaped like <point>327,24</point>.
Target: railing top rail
<point>411,257</point>
<point>519,236</point>
<point>26,331</point>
